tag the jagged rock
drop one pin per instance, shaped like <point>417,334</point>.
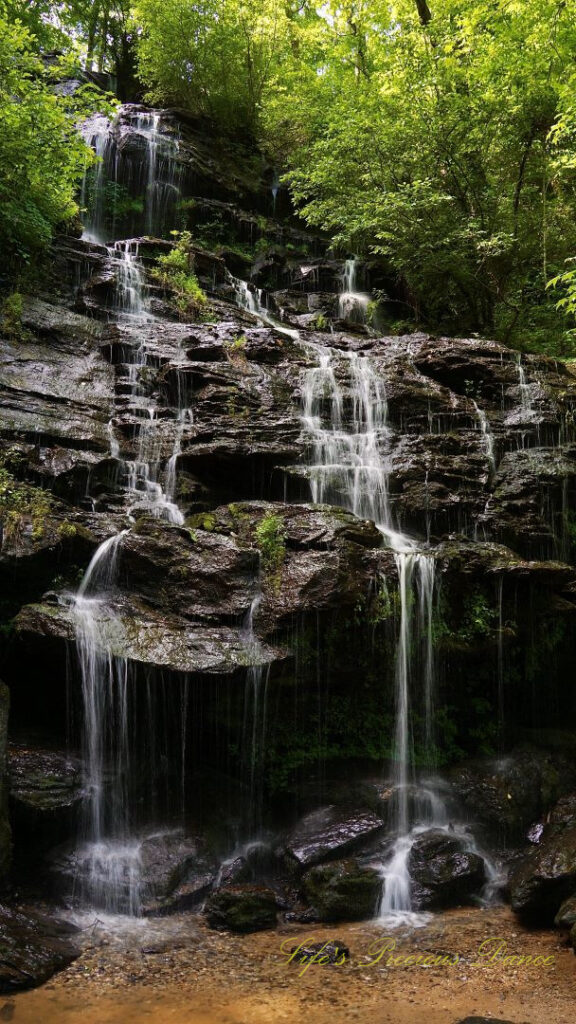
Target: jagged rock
<point>45,796</point>
<point>443,872</point>
<point>33,947</point>
<point>55,384</point>
<point>546,876</point>
<point>242,908</point>
<point>329,833</point>
<point>343,890</point>
<point>5,835</point>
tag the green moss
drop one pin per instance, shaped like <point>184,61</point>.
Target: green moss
<point>12,312</point>
<point>202,521</point>
<point>21,503</point>
<point>175,271</point>
<point>270,538</point>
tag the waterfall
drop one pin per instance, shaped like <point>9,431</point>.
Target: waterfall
<point>255,716</point>
<point>107,874</point>
<point>352,304</point>
<point>125,259</point>
<point>107,859</point>
<point>152,181</point>
<point>487,435</point>
<point>97,134</point>
<point>345,414</point>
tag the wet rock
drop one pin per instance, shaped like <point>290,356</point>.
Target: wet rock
<point>332,952</point>
<point>443,872</point>
<point>242,908</point>
<point>566,916</point>
<point>343,890</point>
<point>147,637</point>
<point>483,1020</point>
<point>5,836</point>
<point>45,797</point>
<point>177,872</point>
<point>546,876</point>
<point>329,833</point>
<point>504,796</point>
<point>33,947</point>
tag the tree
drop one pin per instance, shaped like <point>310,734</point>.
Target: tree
<point>432,144</point>
<point>42,156</point>
<point>214,57</point>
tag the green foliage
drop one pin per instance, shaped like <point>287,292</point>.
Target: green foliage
<point>175,272</point>
<point>446,148</point>
<point>12,310</point>
<point>21,504</point>
<point>270,539</point>
<point>215,58</point>
<point>238,344</point>
<point>42,156</point>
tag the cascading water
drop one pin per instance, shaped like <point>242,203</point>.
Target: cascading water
<point>151,178</point>
<point>254,728</point>
<point>350,467</point>
<point>487,435</point>
<point>107,859</point>
<point>130,288</point>
<point>352,304</point>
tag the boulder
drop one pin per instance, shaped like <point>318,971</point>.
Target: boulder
<point>566,916</point>
<point>33,947</point>
<point>329,833</point>
<point>343,890</point>
<point>5,837</point>
<point>444,873</point>
<point>546,876</point>
<point>242,908</point>
<point>176,872</point>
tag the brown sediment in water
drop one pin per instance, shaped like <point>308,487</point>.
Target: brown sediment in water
<point>217,978</point>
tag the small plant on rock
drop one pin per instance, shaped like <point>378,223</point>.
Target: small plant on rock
<point>175,271</point>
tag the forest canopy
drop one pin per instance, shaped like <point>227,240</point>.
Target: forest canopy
<point>438,136</point>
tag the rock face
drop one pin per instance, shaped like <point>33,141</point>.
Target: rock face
<point>507,795</point>
<point>45,796</point>
<point>256,630</point>
<point>546,877</point>
<point>5,838</point>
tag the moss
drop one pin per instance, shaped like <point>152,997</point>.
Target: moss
<point>12,312</point>
<point>22,504</point>
<point>202,521</point>
<point>175,271</point>
<point>270,538</point>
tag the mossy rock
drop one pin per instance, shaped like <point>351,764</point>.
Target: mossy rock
<point>242,908</point>
<point>343,890</point>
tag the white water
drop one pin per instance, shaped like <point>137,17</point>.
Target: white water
<point>157,180</point>
<point>345,414</point>
<point>487,435</point>
<point>352,304</point>
<point>255,719</point>
<point>252,302</point>
<point>107,859</point>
